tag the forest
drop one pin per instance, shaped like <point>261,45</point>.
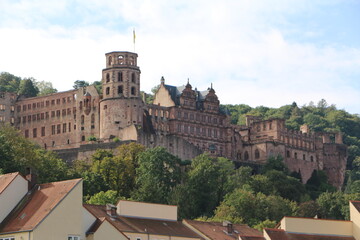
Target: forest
<point>205,187</point>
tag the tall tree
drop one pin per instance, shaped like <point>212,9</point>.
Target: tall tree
<point>80,83</point>
<point>28,88</point>
<point>9,82</point>
<point>45,88</point>
<point>158,173</point>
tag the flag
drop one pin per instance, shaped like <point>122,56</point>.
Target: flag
<point>134,35</point>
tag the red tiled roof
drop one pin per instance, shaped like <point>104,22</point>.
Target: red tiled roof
<point>37,205</point>
<point>252,238</point>
<point>142,225</point>
<point>280,234</point>
<point>6,179</point>
<point>97,224</point>
<point>356,205</point>
<point>216,230</point>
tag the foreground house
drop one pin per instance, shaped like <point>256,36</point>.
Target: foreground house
<point>55,211</point>
<point>293,228</point>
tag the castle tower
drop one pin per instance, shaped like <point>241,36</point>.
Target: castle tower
<point>121,105</point>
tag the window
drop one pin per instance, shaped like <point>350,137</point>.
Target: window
<point>82,138</point>
<point>42,131</point>
<point>110,63</point>
<point>185,115</point>
<point>304,157</point>
<point>209,132</point>
<point>58,129</point>
<point>120,77</point>
<point>64,127</point>
<point>120,89</point>
<point>26,133</point>
<point>92,118</point>
<point>311,158</point>
<point>82,119</point>
<point>295,155</point>
<point>257,154</point>
<point>69,127</point>
<point>107,77</point>
<point>107,91</point>
<point>8,238</point>
<point>246,155</point>
<point>73,238</point>
<point>288,154</point>
<point>53,129</point>
<point>179,128</point>
<point>133,90</point>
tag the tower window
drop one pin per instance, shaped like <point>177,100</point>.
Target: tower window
<point>121,59</point>
<point>120,89</point>
<point>107,91</point>
<point>107,77</point>
<point>110,60</point>
<point>133,90</point>
<point>133,77</point>
<point>120,76</point>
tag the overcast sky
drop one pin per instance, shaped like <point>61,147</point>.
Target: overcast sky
<point>263,52</point>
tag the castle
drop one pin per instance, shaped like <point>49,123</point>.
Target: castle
<point>184,120</point>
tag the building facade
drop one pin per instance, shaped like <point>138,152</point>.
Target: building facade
<point>184,120</point>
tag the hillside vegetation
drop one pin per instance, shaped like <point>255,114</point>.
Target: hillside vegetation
<point>205,187</point>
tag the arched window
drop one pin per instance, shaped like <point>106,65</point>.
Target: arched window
<point>133,90</point>
<point>110,60</point>
<point>257,154</point>
<point>131,60</point>
<point>81,105</point>
<point>133,78</point>
<point>83,138</point>
<point>295,155</point>
<point>304,157</point>
<point>288,154</point>
<point>121,59</point>
<point>246,156</point>
<point>120,76</point>
<point>82,119</point>
<point>107,91</point>
<point>120,89</point>
<point>107,77</point>
<point>311,158</point>
<point>92,118</point>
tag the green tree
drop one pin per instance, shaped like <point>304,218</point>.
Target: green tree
<point>80,83</point>
<point>103,198</point>
<point>243,206</point>
<point>27,88</point>
<point>158,173</point>
<point>206,183</point>
<point>9,82</point>
<point>45,88</point>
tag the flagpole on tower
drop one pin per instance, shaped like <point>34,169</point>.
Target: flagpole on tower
<point>134,37</point>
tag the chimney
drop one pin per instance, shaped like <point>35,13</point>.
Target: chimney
<point>111,210</point>
<point>31,177</point>
<point>229,227</point>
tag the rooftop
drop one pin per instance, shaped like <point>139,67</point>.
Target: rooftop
<point>36,206</point>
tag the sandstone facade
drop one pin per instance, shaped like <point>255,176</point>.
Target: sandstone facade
<point>184,120</point>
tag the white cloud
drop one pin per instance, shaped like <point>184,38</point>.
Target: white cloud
<point>240,46</point>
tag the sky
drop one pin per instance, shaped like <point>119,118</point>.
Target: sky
<point>263,52</point>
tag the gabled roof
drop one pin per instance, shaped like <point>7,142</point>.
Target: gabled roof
<point>216,230</point>
<point>252,238</point>
<point>6,179</point>
<point>280,234</point>
<point>96,225</point>
<point>142,225</point>
<point>36,206</point>
<point>356,205</point>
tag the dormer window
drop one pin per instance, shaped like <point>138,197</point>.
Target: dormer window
<point>71,237</point>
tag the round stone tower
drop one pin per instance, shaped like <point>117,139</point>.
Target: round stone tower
<point>121,105</point>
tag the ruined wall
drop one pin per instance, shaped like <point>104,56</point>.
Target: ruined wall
<point>175,145</point>
<point>7,107</point>
<point>334,162</point>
